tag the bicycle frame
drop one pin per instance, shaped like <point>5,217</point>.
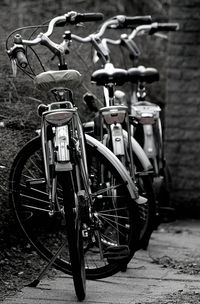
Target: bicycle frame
<point>97,203</point>
<point>153,147</point>
<point>115,117</point>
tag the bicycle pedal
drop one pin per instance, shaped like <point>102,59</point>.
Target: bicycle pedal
<point>116,253</point>
<point>141,200</point>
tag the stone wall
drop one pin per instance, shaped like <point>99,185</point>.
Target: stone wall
<point>183,105</point>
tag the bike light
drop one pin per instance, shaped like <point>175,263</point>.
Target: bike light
<point>145,114</point>
<point>59,117</point>
<point>112,117</point>
<point>148,120</point>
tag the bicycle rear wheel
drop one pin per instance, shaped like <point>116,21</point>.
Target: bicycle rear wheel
<point>113,209</point>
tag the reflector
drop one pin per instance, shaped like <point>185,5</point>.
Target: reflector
<point>59,117</point>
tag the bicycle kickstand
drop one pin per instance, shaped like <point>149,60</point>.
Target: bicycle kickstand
<point>46,268</point>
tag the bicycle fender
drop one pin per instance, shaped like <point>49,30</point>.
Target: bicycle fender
<point>149,141</point>
<point>117,139</point>
<point>118,165</point>
<point>139,152</point>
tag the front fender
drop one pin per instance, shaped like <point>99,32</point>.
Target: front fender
<point>118,165</point>
<point>137,149</point>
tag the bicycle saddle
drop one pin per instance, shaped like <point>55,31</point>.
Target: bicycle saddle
<point>109,75</point>
<point>49,80</point>
<point>142,74</point>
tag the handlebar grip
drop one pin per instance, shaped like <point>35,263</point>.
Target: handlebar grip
<point>137,20</point>
<point>21,59</point>
<point>77,18</point>
<point>168,26</point>
<point>164,27</point>
<point>87,17</point>
<point>131,22</point>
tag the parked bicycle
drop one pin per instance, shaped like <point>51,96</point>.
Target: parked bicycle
<point>112,128</point>
<point>72,197</point>
<point>146,125</point>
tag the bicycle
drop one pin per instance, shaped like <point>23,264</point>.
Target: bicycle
<point>74,200</point>
<point>111,125</point>
<point>146,125</point>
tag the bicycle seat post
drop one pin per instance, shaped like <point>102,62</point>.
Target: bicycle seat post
<point>62,95</point>
<point>141,91</point>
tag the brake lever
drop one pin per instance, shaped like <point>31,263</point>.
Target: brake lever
<point>14,67</point>
<point>95,57</point>
<point>80,24</point>
<point>162,36</point>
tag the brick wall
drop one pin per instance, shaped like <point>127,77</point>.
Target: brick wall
<point>183,105</point>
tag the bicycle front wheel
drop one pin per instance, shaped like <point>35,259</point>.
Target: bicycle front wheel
<point>115,214</point>
<point>74,234</point>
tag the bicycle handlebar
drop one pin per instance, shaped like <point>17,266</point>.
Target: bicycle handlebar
<point>119,21</point>
<point>127,40</point>
<point>129,22</point>
<point>69,18</point>
<point>142,29</point>
<point>17,51</point>
<point>163,27</point>
<point>74,18</point>
<point>154,28</point>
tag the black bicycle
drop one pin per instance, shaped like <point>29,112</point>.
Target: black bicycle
<point>72,197</point>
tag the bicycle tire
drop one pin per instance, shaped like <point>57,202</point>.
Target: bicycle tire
<point>166,185</point>
<point>47,233</point>
<point>147,211</point>
<point>74,236</point>
<point>161,182</point>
